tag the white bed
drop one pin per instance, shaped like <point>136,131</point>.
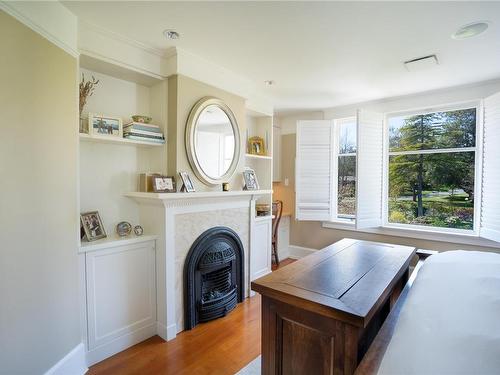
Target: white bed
<point>450,321</point>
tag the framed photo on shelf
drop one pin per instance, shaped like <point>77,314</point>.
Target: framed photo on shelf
<point>163,184</point>
<point>105,126</point>
<point>187,184</point>
<point>92,226</point>
<point>250,180</point>
<point>256,146</point>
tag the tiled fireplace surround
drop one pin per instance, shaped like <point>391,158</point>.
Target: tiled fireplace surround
<point>179,221</point>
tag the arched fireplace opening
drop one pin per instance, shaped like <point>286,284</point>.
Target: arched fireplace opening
<point>213,276</point>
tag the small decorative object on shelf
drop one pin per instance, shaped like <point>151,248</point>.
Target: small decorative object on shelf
<point>143,130</point>
<point>123,228</point>
<point>263,209</point>
<point>86,91</point>
<point>225,186</point>
<point>187,184</point>
<point>141,118</point>
<point>163,184</point>
<point>105,126</point>
<point>92,226</point>
<point>146,182</point>
<point>256,146</point>
<point>250,180</point>
<point>138,230</point>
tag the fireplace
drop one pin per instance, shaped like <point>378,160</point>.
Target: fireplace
<point>213,276</point>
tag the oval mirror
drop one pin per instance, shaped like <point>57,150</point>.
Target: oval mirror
<point>212,141</point>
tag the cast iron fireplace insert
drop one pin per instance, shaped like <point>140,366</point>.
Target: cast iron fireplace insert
<point>213,276</point>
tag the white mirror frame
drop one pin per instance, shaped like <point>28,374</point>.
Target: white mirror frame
<point>190,140</point>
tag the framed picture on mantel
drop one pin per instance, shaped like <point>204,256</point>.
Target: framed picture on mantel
<point>163,184</point>
<point>187,184</point>
<point>250,180</point>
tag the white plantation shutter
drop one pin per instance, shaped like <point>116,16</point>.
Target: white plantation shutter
<point>369,167</point>
<point>490,208</point>
<point>314,171</point>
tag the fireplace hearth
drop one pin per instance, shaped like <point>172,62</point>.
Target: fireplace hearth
<point>213,275</point>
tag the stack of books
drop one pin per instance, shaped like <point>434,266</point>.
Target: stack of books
<point>140,131</point>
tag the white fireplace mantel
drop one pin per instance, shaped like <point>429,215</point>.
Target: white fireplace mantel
<point>142,197</point>
<point>160,214</point>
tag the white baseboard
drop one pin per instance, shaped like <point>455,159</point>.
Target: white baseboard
<point>284,252</point>
<point>166,333</point>
<point>120,343</point>
<point>73,363</point>
<point>297,252</point>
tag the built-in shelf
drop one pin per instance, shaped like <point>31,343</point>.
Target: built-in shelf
<point>116,140</point>
<point>118,70</point>
<point>113,241</point>
<point>253,156</point>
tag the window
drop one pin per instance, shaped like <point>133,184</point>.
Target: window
<point>346,168</point>
<point>431,169</point>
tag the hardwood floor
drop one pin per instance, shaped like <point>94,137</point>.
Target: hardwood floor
<point>222,346</point>
<point>283,263</point>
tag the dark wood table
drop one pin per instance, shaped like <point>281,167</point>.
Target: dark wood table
<point>321,313</point>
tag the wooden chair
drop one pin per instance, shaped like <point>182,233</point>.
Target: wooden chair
<point>277,211</point>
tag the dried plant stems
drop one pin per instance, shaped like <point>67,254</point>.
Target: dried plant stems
<point>86,90</point>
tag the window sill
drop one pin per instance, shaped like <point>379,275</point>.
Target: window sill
<point>421,234</point>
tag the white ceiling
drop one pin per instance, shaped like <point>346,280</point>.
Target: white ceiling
<point>320,54</point>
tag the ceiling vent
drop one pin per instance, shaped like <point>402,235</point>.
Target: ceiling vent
<point>421,63</point>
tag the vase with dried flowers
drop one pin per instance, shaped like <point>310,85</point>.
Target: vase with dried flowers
<point>86,91</point>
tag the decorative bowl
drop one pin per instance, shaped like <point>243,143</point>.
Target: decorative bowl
<point>141,118</point>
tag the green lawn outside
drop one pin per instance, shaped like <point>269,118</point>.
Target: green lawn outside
<point>451,211</point>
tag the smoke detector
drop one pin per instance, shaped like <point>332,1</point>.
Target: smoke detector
<point>171,34</point>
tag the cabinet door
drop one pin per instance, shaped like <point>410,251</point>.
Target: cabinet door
<point>121,292</point>
<point>260,253</point>
<point>276,154</point>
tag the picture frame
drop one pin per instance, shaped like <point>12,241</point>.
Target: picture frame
<point>105,126</point>
<point>250,180</point>
<point>92,226</point>
<point>187,184</point>
<point>163,184</point>
<point>256,146</point>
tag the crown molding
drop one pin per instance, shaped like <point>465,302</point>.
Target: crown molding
<point>14,9</point>
<point>121,38</point>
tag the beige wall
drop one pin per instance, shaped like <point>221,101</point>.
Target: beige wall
<point>39,314</point>
<point>183,94</point>
<point>311,234</point>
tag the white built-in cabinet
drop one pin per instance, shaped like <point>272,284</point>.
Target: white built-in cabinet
<point>120,294</point>
<point>260,247</point>
<point>276,154</point>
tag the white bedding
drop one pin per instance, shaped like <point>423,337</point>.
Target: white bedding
<point>450,322</point>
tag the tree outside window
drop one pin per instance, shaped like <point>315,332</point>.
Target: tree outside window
<point>432,169</point>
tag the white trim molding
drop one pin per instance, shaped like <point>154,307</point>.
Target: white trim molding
<point>417,233</point>
<point>119,344</point>
<point>72,363</point>
<point>50,19</point>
